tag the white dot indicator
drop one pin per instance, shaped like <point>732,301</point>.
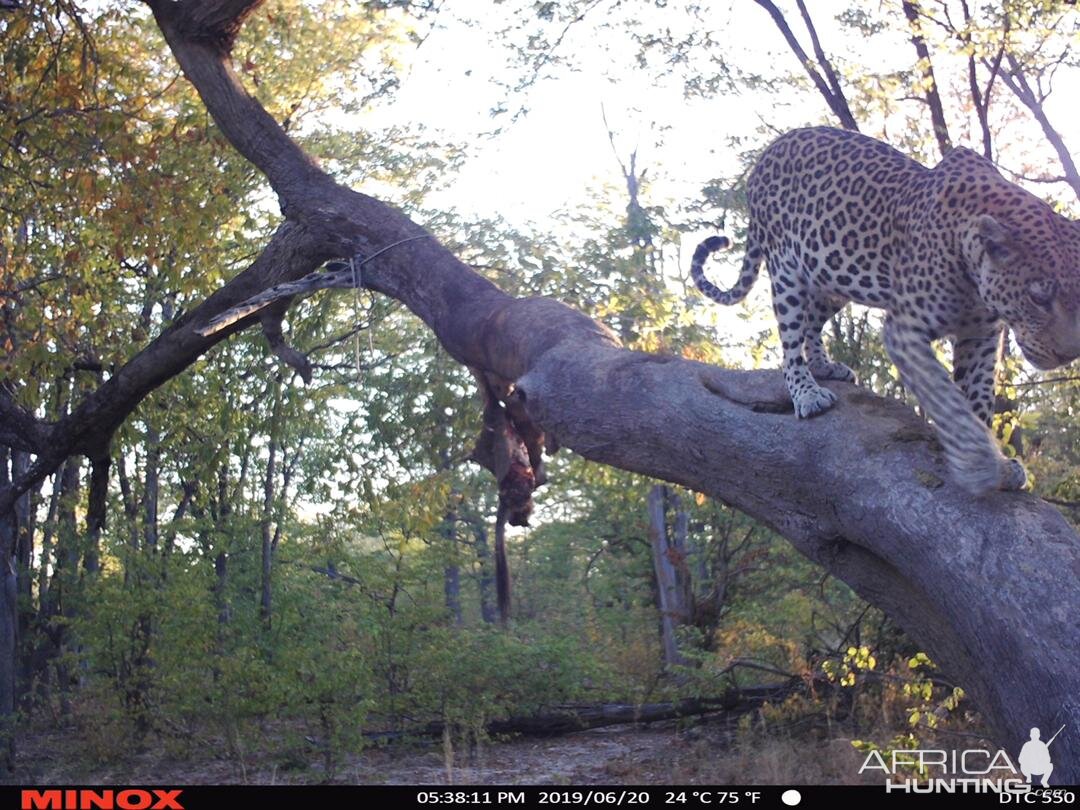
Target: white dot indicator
<point>791,797</point>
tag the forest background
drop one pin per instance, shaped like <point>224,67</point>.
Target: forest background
<point>293,573</point>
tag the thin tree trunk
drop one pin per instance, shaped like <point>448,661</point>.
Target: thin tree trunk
<point>221,559</point>
<point>682,555</point>
<point>9,637</point>
<point>828,85</point>
<point>66,566</point>
<point>980,98</point>
<point>926,67</point>
<point>26,514</point>
<point>452,593</point>
<point>65,581</point>
<point>221,584</point>
<point>152,489</point>
<point>96,510</point>
<point>486,585</point>
<point>669,589</point>
<point>451,570</point>
<point>268,510</point>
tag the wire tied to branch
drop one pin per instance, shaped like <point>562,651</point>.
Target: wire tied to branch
<point>356,269</point>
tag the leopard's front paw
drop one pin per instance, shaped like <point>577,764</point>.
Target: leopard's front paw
<point>813,401</point>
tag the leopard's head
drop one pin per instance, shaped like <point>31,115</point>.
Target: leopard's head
<point>1030,274</point>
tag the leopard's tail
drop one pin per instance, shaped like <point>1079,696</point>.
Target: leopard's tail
<point>751,264</point>
<point>335,274</point>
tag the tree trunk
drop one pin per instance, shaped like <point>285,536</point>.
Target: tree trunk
<point>670,582</point>
<point>221,558</point>
<point>452,592</point>
<point>26,517</point>
<point>930,86</point>
<point>486,585</point>
<point>683,555</point>
<point>151,494</point>
<point>451,571</point>
<point>268,511</point>
<point>9,638</point>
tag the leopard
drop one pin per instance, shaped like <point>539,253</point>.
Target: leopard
<point>951,251</point>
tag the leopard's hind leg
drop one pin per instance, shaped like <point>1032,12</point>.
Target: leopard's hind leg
<point>819,310</point>
<point>792,305</point>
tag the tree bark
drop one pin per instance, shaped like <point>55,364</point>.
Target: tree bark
<point>9,638</point>
<point>486,582</point>
<point>448,534</point>
<point>990,587</point>
<point>152,489</point>
<point>670,581</point>
<point>267,535</point>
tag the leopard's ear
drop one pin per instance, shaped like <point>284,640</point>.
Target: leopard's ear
<point>995,238</point>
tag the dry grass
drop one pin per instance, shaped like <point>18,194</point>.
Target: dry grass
<point>709,754</point>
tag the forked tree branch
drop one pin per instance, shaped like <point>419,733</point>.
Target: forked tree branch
<point>824,62</point>
<point>979,97</point>
<point>990,588</point>
<point>828,85</point>
<point>1015,78</point>
<point>926,67</point>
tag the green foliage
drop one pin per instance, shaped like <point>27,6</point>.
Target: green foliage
<point>468,677</point>
<point>276,575</point>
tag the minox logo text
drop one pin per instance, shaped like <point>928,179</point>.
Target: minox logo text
<point>128,799</point>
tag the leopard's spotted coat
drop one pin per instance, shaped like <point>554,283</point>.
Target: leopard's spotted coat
<point>955,250</point>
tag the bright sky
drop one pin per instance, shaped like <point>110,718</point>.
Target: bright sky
<point>553,156</point>
<point>559,153</point>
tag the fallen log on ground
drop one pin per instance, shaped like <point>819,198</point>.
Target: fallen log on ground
<point>565,719</point>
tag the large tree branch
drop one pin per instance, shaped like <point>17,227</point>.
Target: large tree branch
<point>200,35</point>
<point>864,492</point>
<point>293,251</point>
<point>989,587</point>
<point>18,427</point>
